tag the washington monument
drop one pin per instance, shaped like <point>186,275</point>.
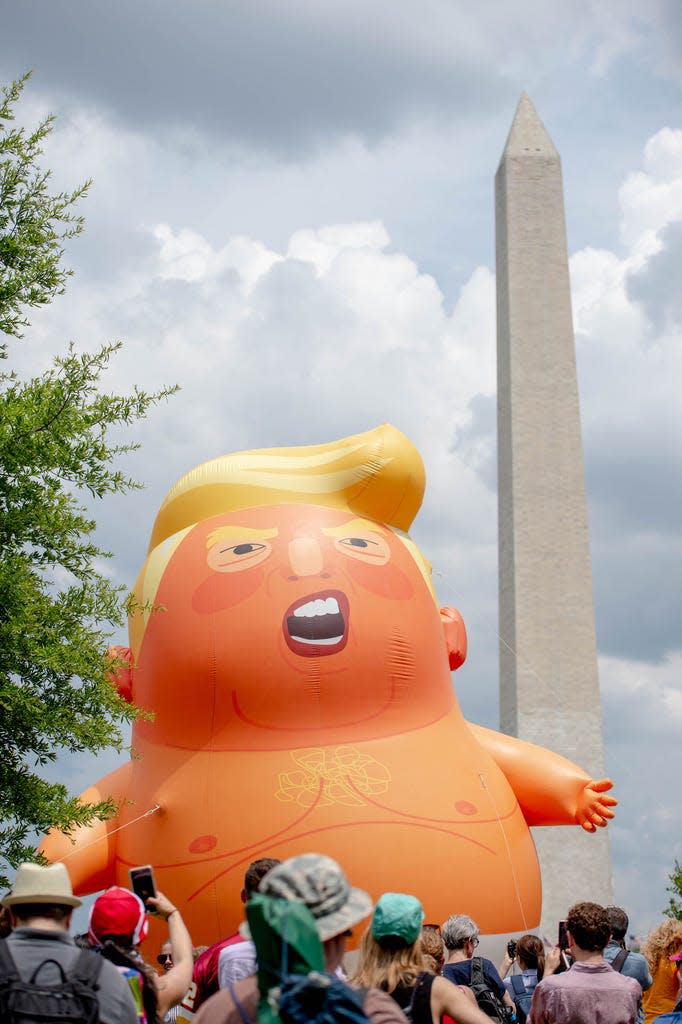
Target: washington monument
<point>549,685</point>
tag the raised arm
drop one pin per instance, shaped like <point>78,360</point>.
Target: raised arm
<point>457,1001</point>
<point>550,789</point>
<point>171,987</point>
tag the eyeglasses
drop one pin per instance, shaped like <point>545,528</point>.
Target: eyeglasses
<point>163,958</point>
<point>473,940</point>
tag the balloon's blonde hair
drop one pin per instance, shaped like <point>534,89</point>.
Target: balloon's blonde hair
<point>378,475</point>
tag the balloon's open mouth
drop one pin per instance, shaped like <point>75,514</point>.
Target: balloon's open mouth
<point>317,624</point>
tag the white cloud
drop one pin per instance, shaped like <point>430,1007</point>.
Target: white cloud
<point>185,256</point>
<point>652,198</point>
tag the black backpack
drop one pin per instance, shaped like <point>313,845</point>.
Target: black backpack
<point>522,997</point>
<point>487,1000</point>
<point>71,1000</point>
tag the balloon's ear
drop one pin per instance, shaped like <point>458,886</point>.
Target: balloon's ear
<point>121,671</point>
<point>455,634</point>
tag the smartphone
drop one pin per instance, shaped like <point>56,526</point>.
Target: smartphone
<point>563,936</point>
<point>142,882</point>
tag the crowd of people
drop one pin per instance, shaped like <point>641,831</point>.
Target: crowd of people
<point>288,960</point>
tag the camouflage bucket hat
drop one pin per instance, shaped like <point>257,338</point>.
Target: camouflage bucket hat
<point>319,883</point>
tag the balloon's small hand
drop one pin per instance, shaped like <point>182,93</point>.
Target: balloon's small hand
<point>594,807</point>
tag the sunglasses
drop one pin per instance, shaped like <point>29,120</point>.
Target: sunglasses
<point>162,958</point>
<point>433,927</point>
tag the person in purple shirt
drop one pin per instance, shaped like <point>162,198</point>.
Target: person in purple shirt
<point>591,992</point>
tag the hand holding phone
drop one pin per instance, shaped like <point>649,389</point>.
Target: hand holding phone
<point>563,936</point>
<point>142,882</point>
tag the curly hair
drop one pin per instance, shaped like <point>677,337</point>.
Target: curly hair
<point>379,966</point>
<point>256,872</point>
<point>589,926</point>
<point>433,949</point>
<point>663,942</point>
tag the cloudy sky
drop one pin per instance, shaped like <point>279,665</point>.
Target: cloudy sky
<point>292,217</point>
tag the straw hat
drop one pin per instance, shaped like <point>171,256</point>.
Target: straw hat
<point>37,884</point>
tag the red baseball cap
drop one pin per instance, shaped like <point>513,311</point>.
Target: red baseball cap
<point>118,912</point>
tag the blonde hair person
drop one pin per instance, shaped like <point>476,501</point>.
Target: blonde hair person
<point>391,958</point>
<point>661,944</point>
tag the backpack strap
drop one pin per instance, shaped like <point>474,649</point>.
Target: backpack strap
<point>477,976</point>
<point>619,959</point>
<point>87,968</point>
<point>517,983</point>
<point>239,1005</point>
<point>8,968</point>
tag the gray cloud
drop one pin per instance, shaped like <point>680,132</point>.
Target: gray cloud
<point>656,286</point>
<point>266,75</point>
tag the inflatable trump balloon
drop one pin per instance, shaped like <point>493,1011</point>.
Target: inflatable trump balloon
<point>288,641</point>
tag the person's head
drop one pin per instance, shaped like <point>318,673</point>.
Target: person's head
<point>619,922</point>
<point>391,948</point>
<point>255,873</point>
<point>433,948</point>
<point>319,883</point>
<point>530,953</point>
<point>165,956</point>
<point>118,915</point>
<point>588,926</point>
<point>397,920</point>
<point>460,932</point>
<point>42,897</point>
<point>662,943</point>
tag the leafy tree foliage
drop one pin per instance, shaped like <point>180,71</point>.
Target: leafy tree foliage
<point>674,908</point>
<point>33,223</point>
<point>57,607</point>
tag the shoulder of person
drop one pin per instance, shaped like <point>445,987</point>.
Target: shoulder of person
<point>382,1008</point>
<point>218,1006</point>
<point>215,1008</point>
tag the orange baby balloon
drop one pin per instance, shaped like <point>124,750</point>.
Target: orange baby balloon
<point>287,639</point>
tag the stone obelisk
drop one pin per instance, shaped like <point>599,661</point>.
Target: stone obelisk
<point>549,684</point>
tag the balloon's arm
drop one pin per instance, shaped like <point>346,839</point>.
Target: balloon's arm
<point>89,851</point>
<point>550,789</point>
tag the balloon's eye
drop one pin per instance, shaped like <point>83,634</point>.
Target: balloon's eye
<point>224,557</point>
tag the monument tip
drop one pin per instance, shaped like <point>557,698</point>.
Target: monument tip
<point>528,135</point>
